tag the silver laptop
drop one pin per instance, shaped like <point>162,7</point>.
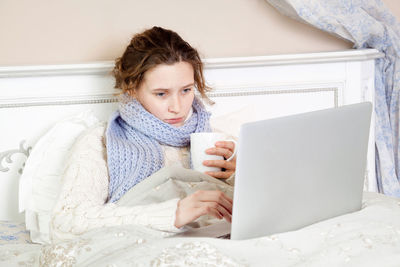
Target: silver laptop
<point>297,170</point>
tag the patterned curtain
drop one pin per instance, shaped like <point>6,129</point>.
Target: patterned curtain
<point>368,24</point>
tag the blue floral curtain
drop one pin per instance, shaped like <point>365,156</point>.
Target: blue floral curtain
<point>368,24</point>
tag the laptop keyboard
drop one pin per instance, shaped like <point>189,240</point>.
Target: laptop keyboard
<point>227,236</point>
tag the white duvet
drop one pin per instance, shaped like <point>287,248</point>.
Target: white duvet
<point>369,237</point>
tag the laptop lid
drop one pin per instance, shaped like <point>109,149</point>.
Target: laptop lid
<point>297,170</point>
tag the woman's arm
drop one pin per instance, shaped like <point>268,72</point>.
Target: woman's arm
<point>82,202</point>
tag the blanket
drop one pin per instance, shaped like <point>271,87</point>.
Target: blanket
<point>174,182</point>
<point>369,237</point>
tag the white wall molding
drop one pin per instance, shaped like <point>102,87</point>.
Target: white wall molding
<point>56,101</point>
<point>105,67</point>
<point>224,91</point>
<point>294,59</point>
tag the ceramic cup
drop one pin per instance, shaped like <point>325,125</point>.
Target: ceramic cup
<point>199,143</point>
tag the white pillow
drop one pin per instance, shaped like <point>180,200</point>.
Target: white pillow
<point>40,181</point>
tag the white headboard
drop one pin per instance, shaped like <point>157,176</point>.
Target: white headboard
<point>35,97</point>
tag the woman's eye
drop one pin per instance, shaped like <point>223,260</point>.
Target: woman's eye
<point>187,90</point>
<point>160,94</point>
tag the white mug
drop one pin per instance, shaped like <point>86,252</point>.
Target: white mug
<point>199,143</point>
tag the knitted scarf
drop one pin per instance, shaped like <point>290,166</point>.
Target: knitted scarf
<point>133,140</point>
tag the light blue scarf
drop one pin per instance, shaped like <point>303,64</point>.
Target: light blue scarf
<point>133,141</point>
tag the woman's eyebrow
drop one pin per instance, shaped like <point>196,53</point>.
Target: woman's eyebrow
<point>189,85</point>
<point>160,89</point>
<point>166,89</point>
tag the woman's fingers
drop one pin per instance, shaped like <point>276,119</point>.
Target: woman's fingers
<point>226,144</point>
<point>216,210</point>
<point>227,165</point>
<point>214,203</point>
<point>226,150</point>
<point>225,213</point>
<point>220,175</point>
<point>222,148</point>
<point>211,211</point>
<point>214,196</point>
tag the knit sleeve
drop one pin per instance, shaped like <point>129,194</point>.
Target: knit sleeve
<point>82,202</point>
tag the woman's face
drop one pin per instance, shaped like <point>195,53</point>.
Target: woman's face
<point>167,92</point>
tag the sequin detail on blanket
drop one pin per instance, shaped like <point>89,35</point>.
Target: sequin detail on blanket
<point>193,254</point>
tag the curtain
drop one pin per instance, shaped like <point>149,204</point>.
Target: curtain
<point>368,24</point>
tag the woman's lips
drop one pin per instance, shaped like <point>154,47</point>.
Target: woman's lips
<point>174,121</point>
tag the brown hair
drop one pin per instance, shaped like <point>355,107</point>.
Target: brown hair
<point>153,47</point>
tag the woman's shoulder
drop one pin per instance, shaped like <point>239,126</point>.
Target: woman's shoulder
<point>97,130</point>
<point>93,136</point>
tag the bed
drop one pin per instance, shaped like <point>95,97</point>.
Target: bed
<point>44,108</point>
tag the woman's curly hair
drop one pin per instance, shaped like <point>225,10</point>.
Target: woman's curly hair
<point>153,47</point>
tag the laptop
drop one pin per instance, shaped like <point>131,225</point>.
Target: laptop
<point>297,170</point>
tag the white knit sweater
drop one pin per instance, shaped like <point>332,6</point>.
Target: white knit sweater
<point>82,203</point>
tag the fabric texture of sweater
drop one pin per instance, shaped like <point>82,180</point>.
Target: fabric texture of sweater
<point>82,202</point>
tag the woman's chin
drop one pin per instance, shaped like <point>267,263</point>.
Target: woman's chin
<point>177,124</point>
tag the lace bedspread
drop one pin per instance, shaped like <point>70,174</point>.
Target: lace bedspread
<point>369,237</point>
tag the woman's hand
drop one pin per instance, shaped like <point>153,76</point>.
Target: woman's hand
<point>225,149</point>
<point>214,203</point>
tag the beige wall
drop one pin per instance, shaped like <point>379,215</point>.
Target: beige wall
<point>73,31</point>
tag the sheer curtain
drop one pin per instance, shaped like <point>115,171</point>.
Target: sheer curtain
<point>368,24</point>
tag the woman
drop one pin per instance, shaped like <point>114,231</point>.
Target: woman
<point>158,74</point>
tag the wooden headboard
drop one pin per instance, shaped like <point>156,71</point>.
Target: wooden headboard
<point>33,98</point>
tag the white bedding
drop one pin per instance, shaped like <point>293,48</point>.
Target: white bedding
<point>369,237</point>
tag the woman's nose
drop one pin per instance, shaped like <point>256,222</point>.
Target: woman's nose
<point>174,105</point>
